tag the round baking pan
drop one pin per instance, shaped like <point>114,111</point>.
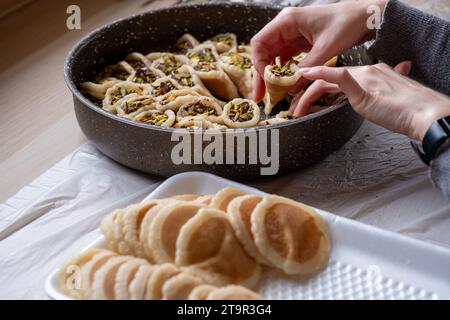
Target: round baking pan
<point>301,142</point>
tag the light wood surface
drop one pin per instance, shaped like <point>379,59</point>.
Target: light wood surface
<point>37,122</point>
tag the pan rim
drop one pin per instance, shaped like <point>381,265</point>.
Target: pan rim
<point>90,35</point>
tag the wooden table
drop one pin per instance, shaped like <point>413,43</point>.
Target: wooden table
<point>37,122</point>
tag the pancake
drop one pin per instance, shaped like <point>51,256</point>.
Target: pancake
<point>89,270</point>
<point>179,287</point>
<point>291,235</point>
<point>208,248</point>
<point>224,197</point>
<point>138,285</point>
<point>157,279</point>
<point>125,276</point>
<point>105,278</point>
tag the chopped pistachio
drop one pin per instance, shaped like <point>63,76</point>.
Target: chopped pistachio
<point>236,59</point>
<point>282,70</point>
<point>154,118</point>
<point>241,113</point>
<point>144,75</point>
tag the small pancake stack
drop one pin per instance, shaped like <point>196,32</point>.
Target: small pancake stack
<point>198,247</point>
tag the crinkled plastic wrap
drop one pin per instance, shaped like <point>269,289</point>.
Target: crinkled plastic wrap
<point>375,178</point>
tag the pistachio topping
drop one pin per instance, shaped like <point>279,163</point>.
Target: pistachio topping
<point>114,71</point>
<point>162,88</point>
<point>154,118</point>
<point>199,108</point>
<point>144,75</point>
<point>168,63</point>
<point>136,64</point>
<point>185,79</point>
<point>203,60</point>
<point>183,46</point>
<point>131,106</point>
<point>121,92</point>
<point>223,39</point>
<point>282,70</point>
<point>236,59</point>
<point>242,112</point>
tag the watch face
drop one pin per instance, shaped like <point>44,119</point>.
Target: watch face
<point>435,139</point>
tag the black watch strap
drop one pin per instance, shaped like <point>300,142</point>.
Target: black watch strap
<point>435,137</point>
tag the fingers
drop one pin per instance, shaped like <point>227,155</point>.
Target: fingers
<point>258,87</point>
<point>403,68</point>
<point>301,105</point>
<point>340,77</point>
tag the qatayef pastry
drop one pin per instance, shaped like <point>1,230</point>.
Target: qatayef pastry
<point>239,67</point>
<point>179,287</point>
<point>244,48</point>
<point>130,106</point>
<point>166,62</point>
<point>125,276</point>
<point>291,235</point>
<point>69,274</point>
<point>241,113</point>
<point>240,211</point>
<point>205,61</point>
<point>233,292</point>
<point>271,121</point>
<point>330,63</point>
<point>285,115</point>
<point>187,78</point>
<point>145,75</point>
<point>197,123</point>
<point>162,86</point>
<point>173,100</point>
<point>224,42</point>
<point>157,118</point>
<point>224,196</point>
<point>98,90</point>
<point>185,43</point>
<point>137,60</point>
<point>138,285</point>
<point>278,78</point>
<point>205,107</point>
<point>208,248</point>
<point>89,270</point>
<point>157,280</point>
<point>201,292</point>
<point>116,93</point>
<point>165,227</point>
<point>104,278</point>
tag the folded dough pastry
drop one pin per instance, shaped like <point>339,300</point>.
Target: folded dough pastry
<point>198,123</point>
<point>201,292</point>
<point>179,287</point>
<point>163,233</point>
<point>271,121</point>
<point>224,42</point>
<point>278,78</point>
<point>166,62</point>
<point>157,280</point>
<point>205,61</point>
<point>244,48</point>
<point>119,91</point>
<point>138,285</point>
<point>239,67</point>
<point>241,113</point>
<point>205,107</point>
<point>188,79</point>
<point>185,43</point>
<point>240,211</point>
<point>138,61</point>
<point>233,292</point>
<point>145,75</point>
<point>291,235</point>
<point>208,248</point>
<point>224,196</point>
<point>156,118</point>
<point>162,86</point>
<point>105,278</point>
<point>132,105</point>
<point>173,100</point>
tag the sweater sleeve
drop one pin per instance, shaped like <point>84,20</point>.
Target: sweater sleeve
<point>410,34</point>
<point>440,172</point>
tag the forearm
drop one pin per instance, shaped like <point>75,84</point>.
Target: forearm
<point>440,172</point>
<point>409,34</point>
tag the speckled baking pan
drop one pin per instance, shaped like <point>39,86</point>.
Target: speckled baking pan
<point>365,262</point>
<point>301,142</point>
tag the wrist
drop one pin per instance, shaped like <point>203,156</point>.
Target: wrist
<point>430,115</point>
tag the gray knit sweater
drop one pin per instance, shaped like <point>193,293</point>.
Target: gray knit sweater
<point>409,34</point>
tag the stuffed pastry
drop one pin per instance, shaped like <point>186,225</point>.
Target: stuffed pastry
<point>156,118</point>
<point>224,42</point>
<point>197,123</point>
<point>278,77</point>
<point>163,85</point>
<point>137,60</point>
<point>205,107</point>
<point>271,121</point>
<point>132,105</point>
<point>244,48</point>
<point>330,63</point>
<point>107,78</point>
<point>185,43</point>
<point>204,60</point>
<point>166,62</point>
<point>187,78</point>
<point>241,113</point>
<point>119,91</point>
<point>173,100</point>
<point>239,67</point>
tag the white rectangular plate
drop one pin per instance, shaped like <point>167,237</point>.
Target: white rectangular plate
<point>366,262</point>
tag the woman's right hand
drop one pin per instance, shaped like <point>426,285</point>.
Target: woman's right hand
<point>324,31</point>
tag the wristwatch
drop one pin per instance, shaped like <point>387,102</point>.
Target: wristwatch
<point>435,138</point>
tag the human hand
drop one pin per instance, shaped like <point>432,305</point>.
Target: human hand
<point>323,31</point>
<point>380,94</point>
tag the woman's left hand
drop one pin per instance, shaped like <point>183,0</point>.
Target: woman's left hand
<point>380,94</point>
